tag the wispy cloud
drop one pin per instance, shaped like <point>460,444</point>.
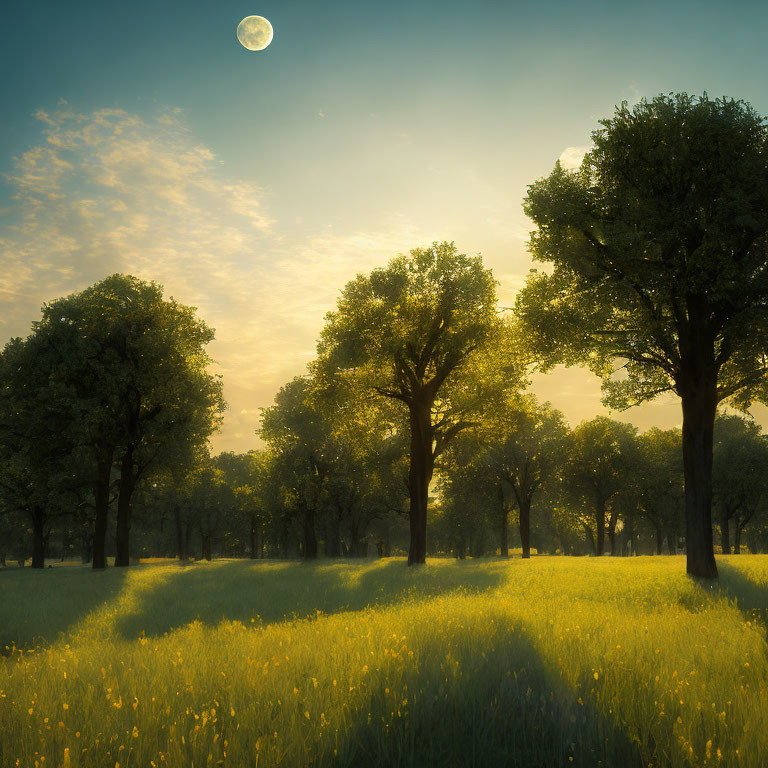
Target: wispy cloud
<point>109,191</point>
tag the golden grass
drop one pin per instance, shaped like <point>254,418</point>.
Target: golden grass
<point>550,662</point>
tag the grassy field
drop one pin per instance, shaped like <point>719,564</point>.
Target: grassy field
<point>555,661</point>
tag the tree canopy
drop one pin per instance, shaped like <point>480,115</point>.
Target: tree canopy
<point>124,375</point>
<point>408,332</point>
<point>657,279</point>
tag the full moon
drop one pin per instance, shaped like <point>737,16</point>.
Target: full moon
<point>255,33</point>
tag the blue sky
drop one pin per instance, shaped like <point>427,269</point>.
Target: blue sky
<point>142,137</point>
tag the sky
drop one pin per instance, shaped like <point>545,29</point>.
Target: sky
<point>143,138</point>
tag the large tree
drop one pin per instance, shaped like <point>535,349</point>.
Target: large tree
<point>406,332</point>
<point>136,364</point>
<point>657,253</point>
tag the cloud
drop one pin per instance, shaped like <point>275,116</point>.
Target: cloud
<point>571,157</point>
<point>109,191</point>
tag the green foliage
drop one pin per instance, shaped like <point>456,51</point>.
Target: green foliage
<point>517,448</point>
<point>113,375</point>
<point>40,458</point>
<point>421,331</point>
<point>656,482</point>
<point>740,475</point>
<point>602,458</point>
<point>411,330</point>
<point>660,235</point>
<point>412,323</point>
<point>338,456</point>
<point>525,444</point>
<point>136,367</point>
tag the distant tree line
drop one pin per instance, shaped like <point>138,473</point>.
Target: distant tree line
<point>656,278</point>
<point>334,477</point>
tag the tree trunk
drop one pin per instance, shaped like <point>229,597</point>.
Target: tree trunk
<point>671,544</point>
<point>741,524</point>
<point>419,477</point>
<point>628,539</point>
<point>187,538</point>
<point>659,538</point>
<point>725,536</point>
<point>600,526</point>
<point>354,538</point>
<point>358,546</point>
<point>254,534</point>
<point>122,533</point>
<point>503,513</point>
<point>699,401</point>
<point>612,522</point>
<point>503,532</point>
<point>310,537</point>
<point>590,538</point>
<point>386,549</point>
<point>101,504</point>
<point>38,538</point>
<point>332,538</point>
<point>525,526</point>
<point>205,546</point>
<point>179,530</point>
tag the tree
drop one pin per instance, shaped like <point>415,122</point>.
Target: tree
<point>405,332</point>
<point>338,456</point>
<point>600,462</point>
<point>740,475</point>
<point>296,430</point>
<point>658,482</point>
<point>474,497</point>
<point>246,475</point>
<point>366,468</point>
<point>211,502</point>
<point>136,363</point>
<point>38,450</point>
<point>526,445</point>
<point>658,252</point>
<point>12,534</point>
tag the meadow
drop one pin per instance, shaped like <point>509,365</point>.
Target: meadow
<point>547,662</point>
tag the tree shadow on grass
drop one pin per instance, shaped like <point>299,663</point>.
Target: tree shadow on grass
<point>267,592</point>
<point>748,587</point>
<point>502,708</point>
<point>36,606</point>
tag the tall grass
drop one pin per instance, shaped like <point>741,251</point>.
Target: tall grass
<point>547,662</point>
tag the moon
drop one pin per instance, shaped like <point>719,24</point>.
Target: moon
<point>255,33</point>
